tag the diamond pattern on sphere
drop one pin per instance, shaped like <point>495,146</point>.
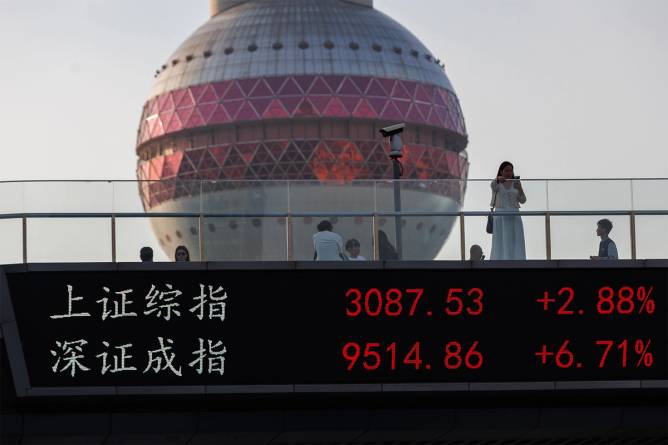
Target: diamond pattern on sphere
<point>377,104</point>
<point>195,120</point>
<point>262,156</point>
<point>375,89</point>
<point>350,103</point>
<point>186,100</point>
<point>247,85</point>
<point>207,161</point>
<point>320,103</point>
<point>233,92</point>
<point>275,110</point>
<point>219,116</point>
<point>207,110</point>
<point>333,82</point>
<point>277,149</point>
<point>400,91</point>
<point>275,83</point>
<point>261,90</point>
<point>348,87</point>
<point>290,88</point>
<point>392,112</point>
<point>232,107</point>
<point>327,96</point>
<point>360,82</point>
<point>195,157</point>
<point>184,114</point>
<point>305,109</point>
<point>336,109</point>
<point>246,112</point>
<point>304,82</point>
<point>291,103</point>
<point>319,87</point>
<point>247,151</point>
<point>220,153</point>
<point>365,110</point>
<point>260,105</point>
<point>165,103</point>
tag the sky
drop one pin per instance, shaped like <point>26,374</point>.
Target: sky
<point>564,89</point>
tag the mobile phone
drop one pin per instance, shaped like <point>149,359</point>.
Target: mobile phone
<point>516,177</point>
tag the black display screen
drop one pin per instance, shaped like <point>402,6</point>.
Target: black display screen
<point>334,326</point>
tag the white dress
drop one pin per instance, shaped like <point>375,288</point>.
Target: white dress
<point>508,235</point>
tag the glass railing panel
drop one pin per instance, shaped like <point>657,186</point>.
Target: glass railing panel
<point>68,197</point>
<point>166,196</point>
<point>316,196</point>
<point>11,241</point>
<point>478,195</point>
<point>245,238</point>
<point>534,237</point>
<point>11,197</point>
<point>574,237</point>
<point>251,197</point>
<point>583,195</point>
<point>426,238</point>
<point>167,232</point>
<point>134,233</point>
<point>476,235</point>
<point>650,194</point>
<point>651,236</point>
<point>66,240</point>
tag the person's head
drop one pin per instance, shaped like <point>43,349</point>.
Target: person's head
<point>476,253</point>
<point>353,247</point>
<point>506,170</point>
<point>325,225</point>
<point>181,254</point>
<point>146,254</point>
<point>603,227</point>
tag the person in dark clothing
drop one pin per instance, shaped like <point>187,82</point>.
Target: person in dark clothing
<point>146,254</point>
<point>386,250</point>
<point>607,249</point>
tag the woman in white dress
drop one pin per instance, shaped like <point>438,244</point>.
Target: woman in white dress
<point>508,234</point>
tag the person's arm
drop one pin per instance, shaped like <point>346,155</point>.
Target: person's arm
<point>612,252</point>
<point>521,197</point>
<point>495,188</point>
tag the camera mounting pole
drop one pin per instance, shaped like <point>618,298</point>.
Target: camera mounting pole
<point>396,153</point>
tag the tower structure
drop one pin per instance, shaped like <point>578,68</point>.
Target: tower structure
<point>274,90</point>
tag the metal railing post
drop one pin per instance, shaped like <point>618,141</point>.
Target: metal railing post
<point>374,236</point>
<point>462,236</point>
<point>113,238</point>
<point>289,247</point>
<point>24,234</point>
<point>632,217</point>
<point>548,237</point>
<point>202,253</point>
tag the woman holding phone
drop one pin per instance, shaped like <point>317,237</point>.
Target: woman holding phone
<point>508,233</point>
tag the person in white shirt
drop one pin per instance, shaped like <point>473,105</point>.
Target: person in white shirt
<point>353,249</point>
<point>327,245</point>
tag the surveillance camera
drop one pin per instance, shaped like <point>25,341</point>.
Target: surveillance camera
<point>391,130</point>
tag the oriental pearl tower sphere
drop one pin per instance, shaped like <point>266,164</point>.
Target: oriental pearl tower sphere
<point>273,107</point>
